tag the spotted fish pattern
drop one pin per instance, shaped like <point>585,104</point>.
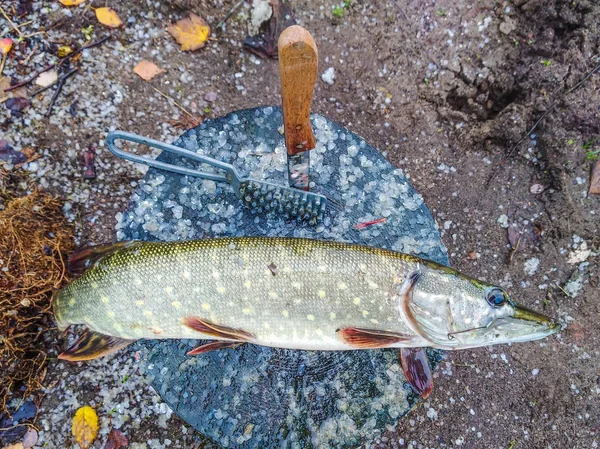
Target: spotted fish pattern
<point>287,293</point>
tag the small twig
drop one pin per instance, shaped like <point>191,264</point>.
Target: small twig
<point>30,55</point>
<point>26,36</point>
<point>31,78</point>
<point>56,64</point>
<point>550,108</point>
<point>16,28</point>
<point>229,14</point>
<point>516,248</point>
<point>2,63</point>
<point>174,102</point>
<point>42,89</point>
<point>563,290</point>
<point>59,86</point>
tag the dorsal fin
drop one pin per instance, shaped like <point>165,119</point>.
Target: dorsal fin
<point>81,260</point>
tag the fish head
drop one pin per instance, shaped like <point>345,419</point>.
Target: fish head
<point>466,313</point>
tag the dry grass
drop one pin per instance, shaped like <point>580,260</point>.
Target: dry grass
<point>34,236</point>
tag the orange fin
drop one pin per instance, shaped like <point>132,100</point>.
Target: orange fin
<point>84,258</point>
<point>416,370</point>
<point>91,345</point>
<point>215,345</point>
<point>371,338</point>
<point>214,330</point>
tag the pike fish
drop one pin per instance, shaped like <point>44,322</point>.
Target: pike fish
<point>285,293</point>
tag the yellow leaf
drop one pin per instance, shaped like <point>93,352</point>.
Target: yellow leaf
<point>190,33</point>
<point>147,70</point>
<point>85,426</point>
<point>71,2</point>
<point>108,17</point>
<point>64,51</point>
<point>5,45</point>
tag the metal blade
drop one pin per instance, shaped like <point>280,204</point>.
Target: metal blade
<point>298,165</point>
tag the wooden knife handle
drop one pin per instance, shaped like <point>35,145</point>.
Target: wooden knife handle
<point>298,72</point>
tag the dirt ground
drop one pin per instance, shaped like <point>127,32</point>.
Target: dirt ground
<point>447,88</point>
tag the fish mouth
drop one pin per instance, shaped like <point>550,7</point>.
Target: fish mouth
<point>543,324</point>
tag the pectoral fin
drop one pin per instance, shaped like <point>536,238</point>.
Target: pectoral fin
<point>416,370</point>
<point>91,345</point>
<point>371,338</point>
<point>217,331</point>
<point>215,345</point>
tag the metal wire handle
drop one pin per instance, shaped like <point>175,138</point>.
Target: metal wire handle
<point>231,174</point>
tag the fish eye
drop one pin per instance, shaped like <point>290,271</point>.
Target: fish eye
<point>496,297</point>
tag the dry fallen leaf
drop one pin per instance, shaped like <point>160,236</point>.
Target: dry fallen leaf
<point>47,78</point>
<point>71,2</point>
<point>147,70</point>
<point>190,33</point>
<point>115,440</point>
<point>595,181</point>
<point>14,446</point>
<point>5,45</point>
<point>5,84</point>
<point>85,426</point>
<point>108,17</point>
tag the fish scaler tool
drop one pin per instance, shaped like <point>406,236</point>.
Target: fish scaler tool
<point>258,196</point>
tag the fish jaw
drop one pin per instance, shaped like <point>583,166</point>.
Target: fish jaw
<point>528,325</point>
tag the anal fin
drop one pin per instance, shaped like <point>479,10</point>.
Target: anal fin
<point>91,345</point>
<point>217,331</point>
<point>214,345</point>
<point>416,370</point>
<point>371,338</point>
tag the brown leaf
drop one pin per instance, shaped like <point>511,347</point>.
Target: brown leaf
<point>147,70</point>
<point>513,237</point>
<point>595,179</point>
<point>108,17</point>
<point>15,446</point>
<point>116,439</point>
<point>85,426</point>
<point>5,84</point>
<point>190,33</point>
<point>186,122</point>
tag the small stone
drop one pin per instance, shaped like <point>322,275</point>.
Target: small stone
<point>536,189</point>
<point>210,96</point>
<point>328,76</point>
<point>30,438</point>
<point>531,266</point>
<point>503,220</point>
<point>508,25</point>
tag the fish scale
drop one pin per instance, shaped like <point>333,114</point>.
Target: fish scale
<point>310,291</point>
<point>287,293</point>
